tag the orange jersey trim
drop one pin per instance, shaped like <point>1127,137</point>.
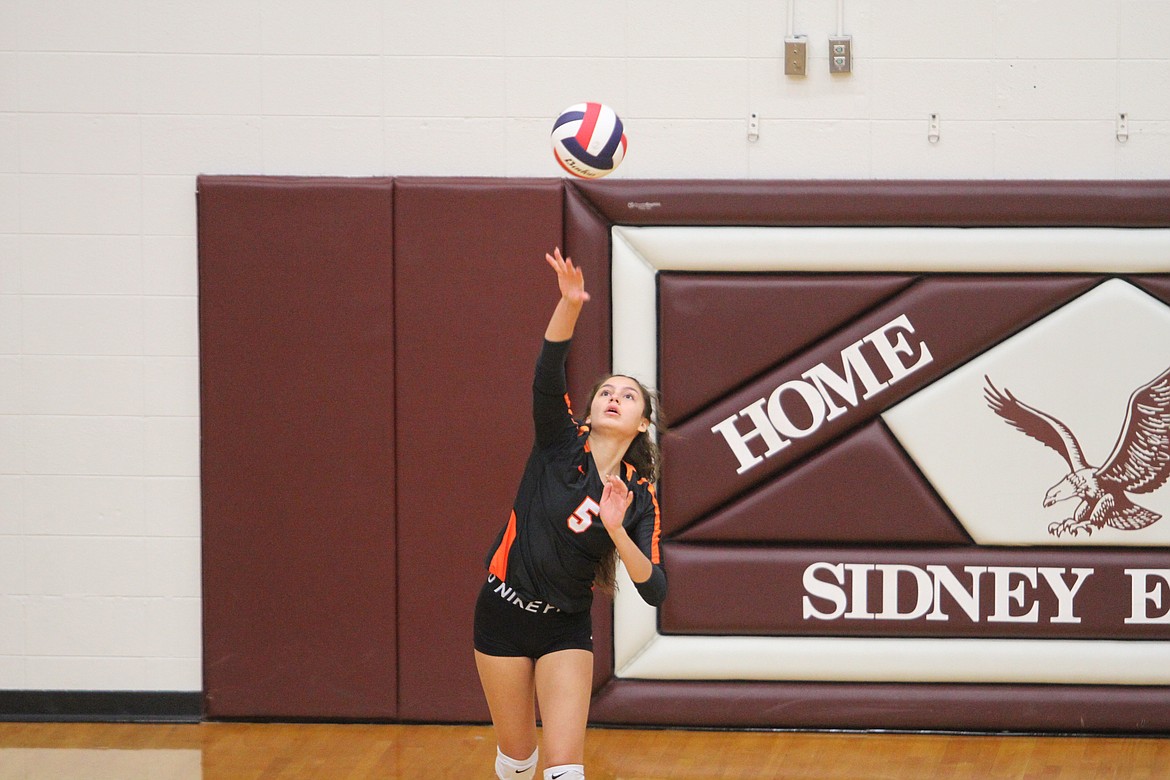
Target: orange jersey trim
<point>654,556</point>
<point>499,564</point>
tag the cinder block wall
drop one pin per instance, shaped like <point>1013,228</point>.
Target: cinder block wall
<point>109,110</point>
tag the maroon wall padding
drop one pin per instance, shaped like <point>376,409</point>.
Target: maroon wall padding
<point>587,241</point>
<point>887,501</point>
<point>1158,286</point>
<point>772,575</point>
<point>974,312</point>
<point>709,350</point>
<point>853,203</point>
<point>901,706</point>
<point>474,295</point>
<point>367,352</point>
<point>756,704</point>
<point>297,359</point>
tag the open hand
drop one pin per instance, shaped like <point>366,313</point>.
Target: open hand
<point>570,279</point>
<point>615,500</point>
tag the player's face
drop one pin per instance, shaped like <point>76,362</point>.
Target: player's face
<point>619,406</point>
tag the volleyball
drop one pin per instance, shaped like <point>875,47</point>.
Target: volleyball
<point>588,140</point>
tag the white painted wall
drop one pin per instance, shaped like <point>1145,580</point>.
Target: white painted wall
<point>109,108</point>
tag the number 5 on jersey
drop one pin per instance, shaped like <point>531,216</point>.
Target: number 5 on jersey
<point>583,517</point>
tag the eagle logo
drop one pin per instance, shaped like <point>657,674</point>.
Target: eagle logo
<point>1139,463</point>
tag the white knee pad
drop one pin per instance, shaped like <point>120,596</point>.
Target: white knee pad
<point>565,772</point>
<point>510,769</point>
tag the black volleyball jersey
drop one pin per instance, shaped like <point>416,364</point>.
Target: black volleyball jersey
<point>550,547</point>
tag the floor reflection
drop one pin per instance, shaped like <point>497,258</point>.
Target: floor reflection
<point>85,764</point>
<point>259,751</point>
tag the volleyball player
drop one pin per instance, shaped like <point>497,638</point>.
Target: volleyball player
<point>586,499</point>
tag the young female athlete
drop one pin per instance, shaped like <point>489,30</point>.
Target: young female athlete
<point>586,494</point>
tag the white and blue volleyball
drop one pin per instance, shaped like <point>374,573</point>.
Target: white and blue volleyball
<point>589,140</point>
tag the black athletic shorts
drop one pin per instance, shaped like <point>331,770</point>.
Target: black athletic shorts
<point>508,625</point>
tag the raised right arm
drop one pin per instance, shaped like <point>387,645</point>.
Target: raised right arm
<point>571,282</point>
<point>550,405</point>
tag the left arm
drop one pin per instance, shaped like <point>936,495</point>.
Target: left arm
<point>649,578</point>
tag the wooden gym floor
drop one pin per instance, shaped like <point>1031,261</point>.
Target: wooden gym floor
<point>250,751</point>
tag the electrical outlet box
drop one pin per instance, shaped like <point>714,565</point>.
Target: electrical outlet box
<point>840,54</point>
<point>795,55</point>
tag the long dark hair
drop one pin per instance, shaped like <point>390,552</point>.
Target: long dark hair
<point>644,455</point>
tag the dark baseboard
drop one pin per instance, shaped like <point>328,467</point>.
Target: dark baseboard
<point>102,706</point>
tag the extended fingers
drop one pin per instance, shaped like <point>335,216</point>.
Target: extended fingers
<point>570,278</point>
<point>614,484</point>
<point>557,261</point>
<point>561,264</point>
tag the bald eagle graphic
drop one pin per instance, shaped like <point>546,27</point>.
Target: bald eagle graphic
<point>1139,463</point>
